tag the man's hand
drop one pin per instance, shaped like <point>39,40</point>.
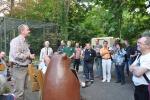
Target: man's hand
<point>32,56</point>
<point>72,56</point>
<point>46,60</point>
<point>138,71</point>
<point>131,68</point>
<point>104,53</point>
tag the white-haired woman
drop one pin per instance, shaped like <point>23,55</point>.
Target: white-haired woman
<point>45,51</point>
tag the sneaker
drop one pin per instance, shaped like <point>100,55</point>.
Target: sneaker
<point>82,84</point>
<point>103,80</point>
<point>92,81</point>
<point>108,81</point>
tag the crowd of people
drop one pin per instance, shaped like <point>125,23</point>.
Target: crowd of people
<point>103,57</point>
<point>136,61</point>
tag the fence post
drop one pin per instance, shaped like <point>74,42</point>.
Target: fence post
<point>5,38</point>
<point>1,37</point>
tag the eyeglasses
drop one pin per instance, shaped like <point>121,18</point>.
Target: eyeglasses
<point>141,43</point>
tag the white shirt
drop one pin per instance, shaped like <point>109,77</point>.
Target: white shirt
<point>145,63</point>
<point>45,51</point>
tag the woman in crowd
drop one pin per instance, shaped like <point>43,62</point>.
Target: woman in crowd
<point>119,60</point>
<point>77,56</point>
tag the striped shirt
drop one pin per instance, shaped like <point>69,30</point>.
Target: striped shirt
<point>19,51</point>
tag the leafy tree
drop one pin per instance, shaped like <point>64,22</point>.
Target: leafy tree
<point>80,22</point>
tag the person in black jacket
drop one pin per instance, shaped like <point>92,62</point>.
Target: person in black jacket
<point>89,56</point>
<point>128,50</point>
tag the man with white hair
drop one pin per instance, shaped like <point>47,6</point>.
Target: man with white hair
<point>20,56</point>
<point>141,68</point>
<point>46,51</point>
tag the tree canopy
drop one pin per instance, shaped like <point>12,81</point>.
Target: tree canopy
<point>80,20</point>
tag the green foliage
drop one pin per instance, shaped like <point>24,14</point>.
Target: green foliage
<point>79,22</point>
<point>117,18</point>
<point>36,40</point>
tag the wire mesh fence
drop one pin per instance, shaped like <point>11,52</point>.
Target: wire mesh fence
<point>40,31</point>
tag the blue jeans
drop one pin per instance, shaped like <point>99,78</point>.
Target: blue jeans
<point>88,69</point>
<point>82,64</point>
<point>76,64</point>
<point>98,63</point>
<point>120,72</point>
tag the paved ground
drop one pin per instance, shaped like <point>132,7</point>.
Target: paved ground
<point>99,91</point>
<point>108,91</point>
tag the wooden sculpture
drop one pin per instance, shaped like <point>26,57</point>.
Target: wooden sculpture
<point>40,80</point>
<point>33,78</point>
<point>60,82</point>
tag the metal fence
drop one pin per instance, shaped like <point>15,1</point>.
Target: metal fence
<point>40,31</point>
